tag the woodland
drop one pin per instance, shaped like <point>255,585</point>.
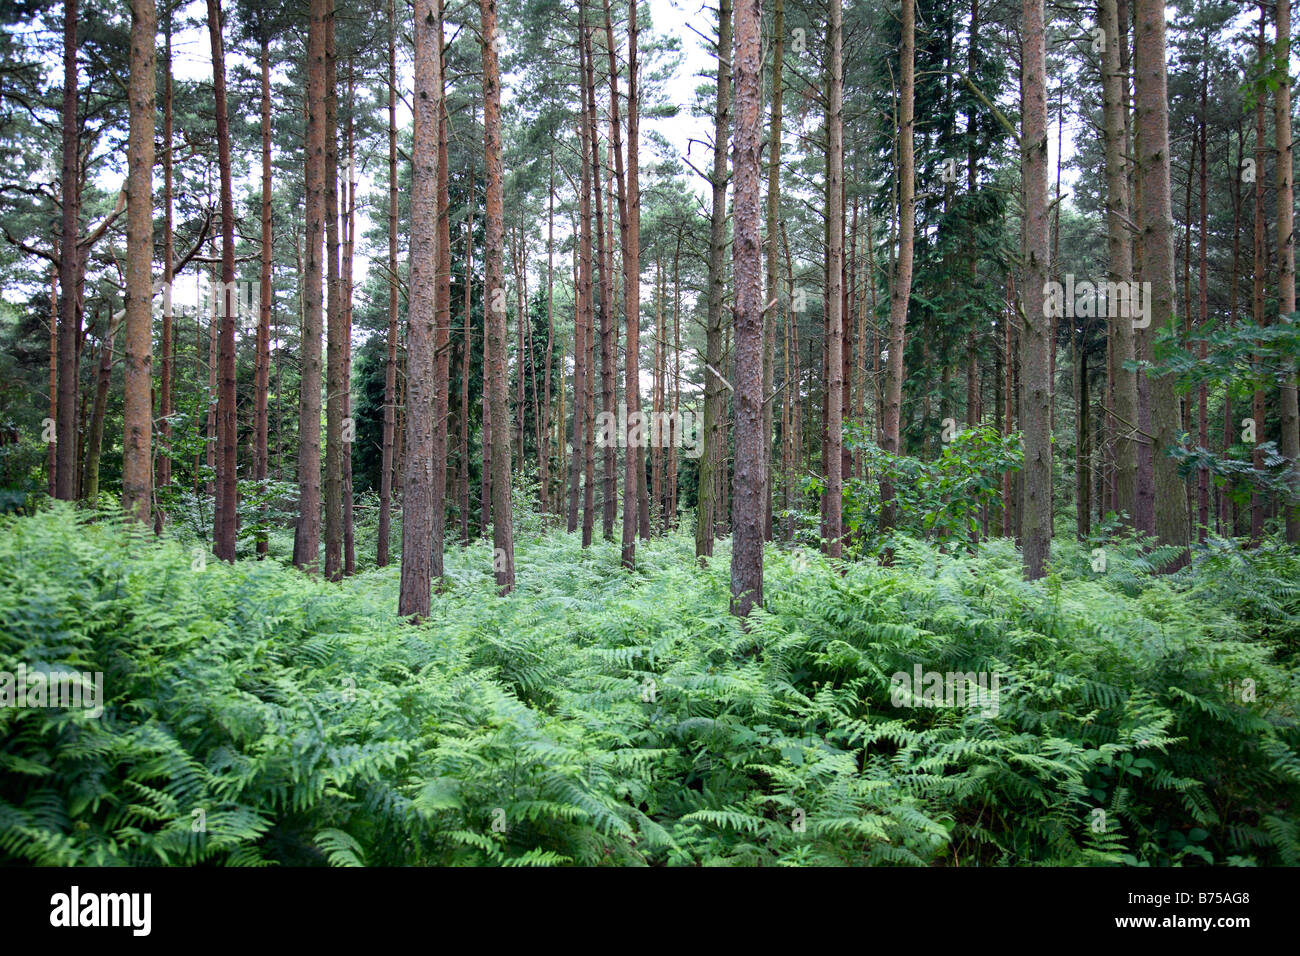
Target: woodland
<point>648,433</point>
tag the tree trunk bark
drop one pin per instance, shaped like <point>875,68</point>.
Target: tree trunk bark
<point>1158,258</point>
<point>442,317</point>
<point>711,461</point>
<point>262,371</point>
<point>498,394</point>
<point>901,287</point>
<point>835,273</point>
<point>1035,340</point>
<point>773,313</point>
<point>137,425</point>
<point>1120,251</point>
<point>164,466</point>
<point>69,333</point>
<point>417,497</point>
<point>463,478</point>
<point>390,365</point>
<point>306,545</point>
<point>335,331</point>
<point>750,486</point>
<point>1290,409</point>
<point>227,499</point>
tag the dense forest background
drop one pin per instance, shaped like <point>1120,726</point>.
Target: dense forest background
<point>684,373</point>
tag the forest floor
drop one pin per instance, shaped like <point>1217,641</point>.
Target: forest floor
<point>602,716</point>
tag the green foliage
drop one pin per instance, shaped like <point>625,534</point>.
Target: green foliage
<point>941,499</point>
<point>598,716</point>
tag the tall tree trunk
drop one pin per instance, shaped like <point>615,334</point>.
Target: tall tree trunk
<point>349,224</point>
<point>670,516</point>
<point>498,395</point>
<point>69,333</point>
<point>463,476</point>
<point>1158,256</point>
<point>306,544</point>
<point>714,397</point>
<point>901,287</point>
<point>584,399</point>
<point>544,401</point>
<point>1259,404</point>
<point>164,466</point>
<point>1035,340</point>
<point>227,498</point>
<point>835,273</point>
<point>336,333</point>
<point>629,208</point>
<point>417,497</point>
<point>262,372</point>
<point>137,425</point>
<point>608,368</point>
<point>442,317</point>
<point>390,366</point>
<point>1203,423</point>
<point>747,252</point>
<point>1120,253</point>
<point>1290,409</point>
<point>582,298</point>
<point>773,312</point>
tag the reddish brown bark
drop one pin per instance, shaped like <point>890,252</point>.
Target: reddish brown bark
<point>750,484</point>
<point>227,497</point>
<point>390,366</point>
<point>417,499</point>
<point>138,405</point>
<point>498,394</point>
<point>306,545</point>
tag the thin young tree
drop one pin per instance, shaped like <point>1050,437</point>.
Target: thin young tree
<point>164,461</point>
<point>583,300</point>
<point>714,395</point>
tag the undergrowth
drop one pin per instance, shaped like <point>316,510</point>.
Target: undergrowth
<point>254,715</point>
